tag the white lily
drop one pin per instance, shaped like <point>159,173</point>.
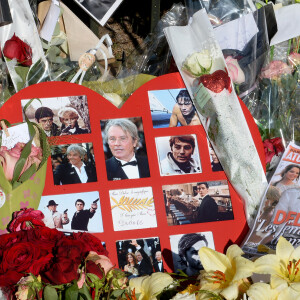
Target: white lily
<point>225,274</point>
<point>262,291</point>
<point>150,286</point>
<point>284,269</point>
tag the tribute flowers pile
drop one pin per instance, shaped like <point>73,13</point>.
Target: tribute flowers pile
<point>37,261</point>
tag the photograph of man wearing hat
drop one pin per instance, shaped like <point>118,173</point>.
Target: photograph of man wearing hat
<point>55,219</point>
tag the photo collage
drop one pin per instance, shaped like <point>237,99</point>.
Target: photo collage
<point>133,178</point>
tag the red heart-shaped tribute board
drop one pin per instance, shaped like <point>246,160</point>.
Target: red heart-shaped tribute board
<point>224,232</point>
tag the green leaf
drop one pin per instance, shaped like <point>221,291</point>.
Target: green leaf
<point>28,173</point>
<point>22,72</point>
<point>116,294</point>
<point>85,293</point>
<point>56,41</point>
<point>72,292</point>
<point>50,293</point>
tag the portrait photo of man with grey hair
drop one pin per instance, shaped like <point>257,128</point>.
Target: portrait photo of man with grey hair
<point>122,137</point>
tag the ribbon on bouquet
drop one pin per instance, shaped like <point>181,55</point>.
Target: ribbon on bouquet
<point>87,59</point>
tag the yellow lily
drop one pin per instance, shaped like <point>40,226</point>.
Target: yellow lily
<point>284,269</point>
<point>225,274</point>
<point>262,291</point>
<point>150,286</point>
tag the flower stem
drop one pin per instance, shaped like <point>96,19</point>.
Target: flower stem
<point>271,53</point>
<point>37,294</point>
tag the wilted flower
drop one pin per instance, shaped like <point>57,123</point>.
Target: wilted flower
<point>15,48</point>
<point>225,274</point>
<point>235,72</point>
<point>103,260</point>
<point>27,287</point>
<point>150,286</point>
<point>9,158</point>
<point>284,269</point>
<point>119,279</point>
<point>198,63</point>
<point>275,69</point>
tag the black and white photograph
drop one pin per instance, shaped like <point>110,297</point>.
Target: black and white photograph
<point>125,148</point>
<point>140,257</point>
<point>214,160</point>
<point>185,249</point>
<point>99,10</point>
<point>73,163</point>
<point>178,155</point>
<point>60,116</point>
<point>72,212</point>
<point>172,108</point>
<point>197,202</point>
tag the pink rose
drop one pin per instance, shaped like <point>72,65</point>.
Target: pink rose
<point>235,72</point>
<point>9,158</point>
<point>275,69</point>
<point>294,59</point>
<point>16,48</point>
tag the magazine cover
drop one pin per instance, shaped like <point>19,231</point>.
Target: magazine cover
<point>279,211</point>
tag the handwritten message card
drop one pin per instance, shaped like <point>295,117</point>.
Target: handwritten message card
<point>132,208</point>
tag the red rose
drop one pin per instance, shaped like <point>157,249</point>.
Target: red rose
<point>16,48</point>
<point>9,239</point>
<point>69,248</point>
<point>63,270</point>
<point>19,259</point>
<point>26,219</point>
<point>91,242</point>
<point>41,263</point>
<point>10,278</point>
<point>272,147</point>
<point>45,236</point>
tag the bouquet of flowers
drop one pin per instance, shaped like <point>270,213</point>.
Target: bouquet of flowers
<point>42,263</point>
<point>23,155</point>
<point>203,69</point>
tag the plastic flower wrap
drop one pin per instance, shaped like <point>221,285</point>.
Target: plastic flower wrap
<point>276,102</point>
<point>218,107</point>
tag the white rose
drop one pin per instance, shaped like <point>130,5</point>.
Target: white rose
<point>197,64</point>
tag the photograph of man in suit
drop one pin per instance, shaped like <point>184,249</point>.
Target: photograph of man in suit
<point>122,138</point>
<point>74,171</point>
<point>207,210</point>
<point>188,248</point>
<point>184,111</point>
<point>158,264</point>
<point>144,262</point>
<point>179,160</point>
<point>82,216</point>
<point>44,117</point>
